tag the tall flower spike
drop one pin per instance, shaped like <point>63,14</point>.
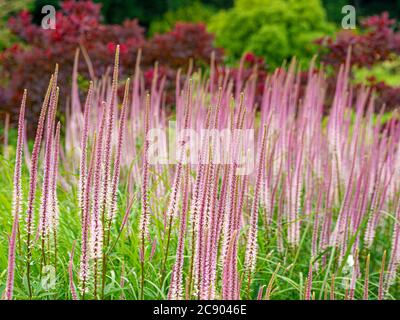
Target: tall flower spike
<point>251,248</point>
<point>177,273</point>
<point>394,255</point>
<point>144,222</point>
<point>199,214</point>
<point>34,164</point>
<point>106,193</point>
<point>117,164</point>
<point>84,144</point>
<point>96,227</point>
<point>208,287</point>
<point>53,180</point>
<point>45,200</point>
<point>54,210</point>
<point>33,179</point>
<point>17,201</point>
<point>172,206</point>
<point>84,261</point>
<point>145,217</point>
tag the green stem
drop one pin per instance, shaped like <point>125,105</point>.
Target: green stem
<point>166,252</point>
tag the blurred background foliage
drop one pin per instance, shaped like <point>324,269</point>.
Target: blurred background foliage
<point>264,33</point>
<point>273,29</point>
<point>8,8</point>
<point>146,11</point>
<point>388,71</point>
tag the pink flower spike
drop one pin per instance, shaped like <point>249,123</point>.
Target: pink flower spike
<point>17,202</point>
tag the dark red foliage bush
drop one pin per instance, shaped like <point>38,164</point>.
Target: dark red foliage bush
<point>185,40</point>
<point>175,49</point>
<point>377,42</point>
<point>79,25</point>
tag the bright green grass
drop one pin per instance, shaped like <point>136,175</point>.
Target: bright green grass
<point>289,282</point>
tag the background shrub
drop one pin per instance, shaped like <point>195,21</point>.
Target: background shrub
<point>116,11</point>
<point>8,8</point>
<point>374,56</point>
<point>274,29</point>
<point>28,64</point>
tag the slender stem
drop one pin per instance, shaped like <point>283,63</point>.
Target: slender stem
<point>95,277</point>
<point>142,271</point>
<point>104,272</point>
<point>104,264</point>
<point>327,271</point>
<point>166,251</point>
<point>43,255</point>
<point>191,263</point>
<point>381,277</point>
<point>55,249</point>
<point>248,286</point>
<point>28,265</point>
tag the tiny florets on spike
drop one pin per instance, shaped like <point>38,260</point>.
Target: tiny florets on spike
<point>17,202</point>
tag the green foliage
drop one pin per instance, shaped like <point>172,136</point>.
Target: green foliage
<point>274,29</point>
<point>333,9</point>
<point>387,71</point>
<point>290,276</point>
<point>194,12</point>
<point>7,8</point>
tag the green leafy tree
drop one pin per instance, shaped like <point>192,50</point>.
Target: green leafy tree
<point>273,29</point>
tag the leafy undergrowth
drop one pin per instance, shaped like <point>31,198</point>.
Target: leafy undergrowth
<point>289,268</point>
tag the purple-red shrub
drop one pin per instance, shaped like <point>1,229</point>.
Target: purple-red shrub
<point>377,42</point>
<point>186,40</point>
<point>79,25</point>
<point>188,45</point>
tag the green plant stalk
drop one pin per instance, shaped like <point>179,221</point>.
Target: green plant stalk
<point>166,251</point>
